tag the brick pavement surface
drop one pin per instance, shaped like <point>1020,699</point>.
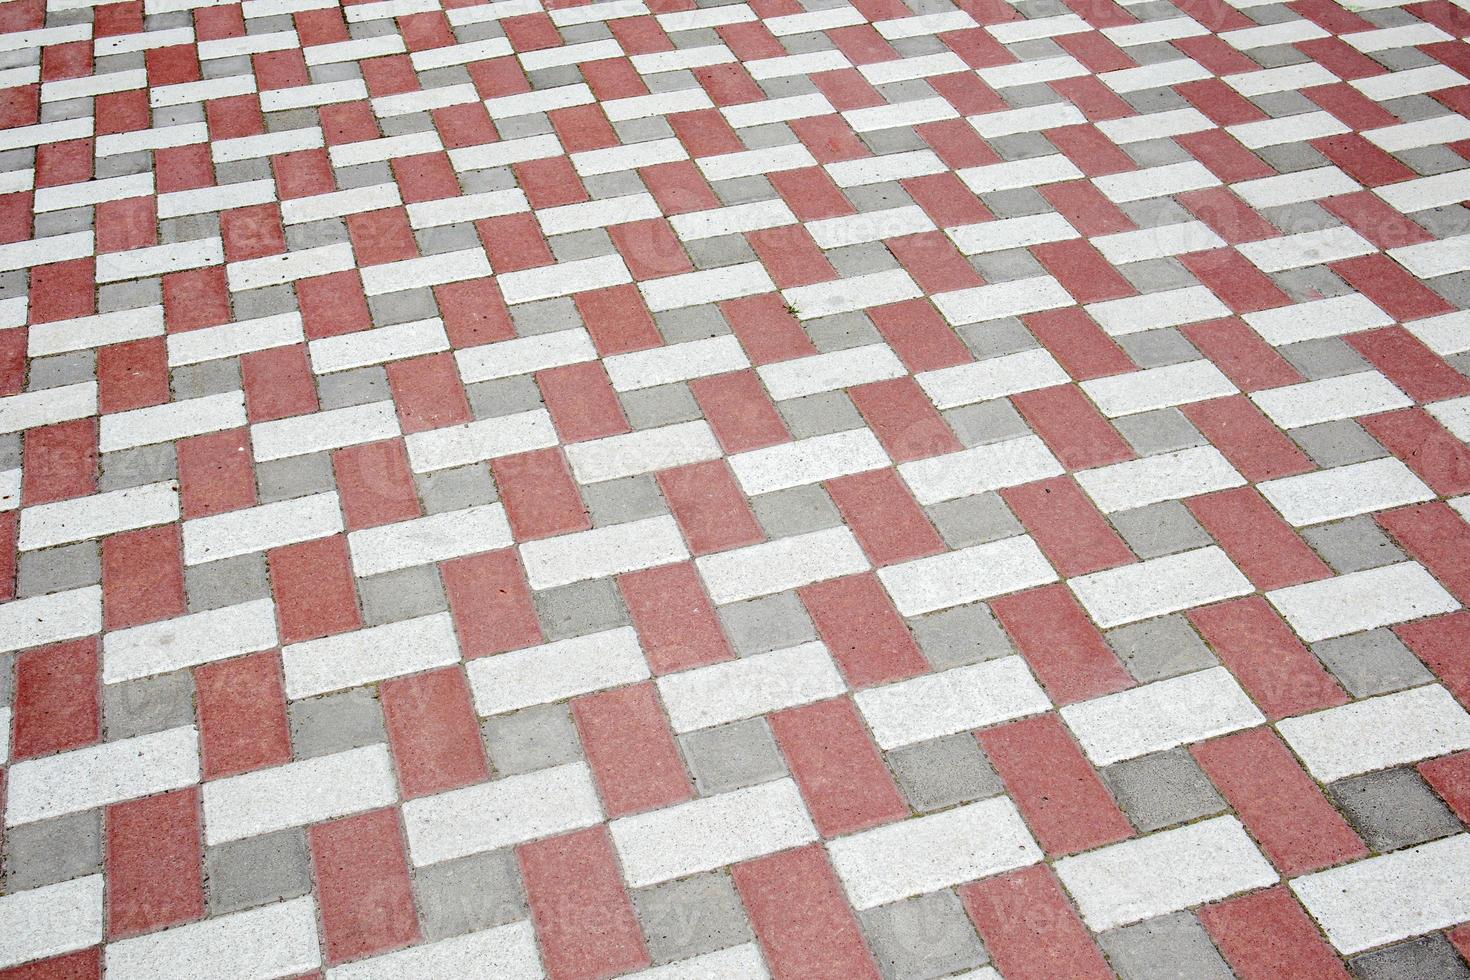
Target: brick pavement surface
<point>889,488</point>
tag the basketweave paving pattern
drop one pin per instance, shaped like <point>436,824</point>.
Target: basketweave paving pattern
<point>899,488</point>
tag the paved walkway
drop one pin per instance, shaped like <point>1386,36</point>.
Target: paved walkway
<point>789,488</point>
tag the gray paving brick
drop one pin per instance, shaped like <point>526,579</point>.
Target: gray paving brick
<point>1163,431</point>
<point>1353,545</point>
<point>1417,959</point>
<point>795,511</point>
<point>1337,443</point>
<point>1157,648</point>
<point>531,739</point>
<point>820,415</point>
<point>1158,348</point>
<point>402,594</point>
<point>226,582</point>
<point>770,623</point>
<point>545,316</point>
<point>961,635</point>
<point>336,722</point>
<point>923,937</point>
<point>257,871</point>
<point>732,756</point>
<point>986,422</point>
<point>1160,529</point>
<point>360,386</point>
<point>663,405</point>
<point>620,501</point>
<point>943,772</point>
<point>584,607</point>
<point>469,894</point>
<point>69,566</point>
<point>1171,947</point>
<point>297,476</point>
<point>136,467</point>
<point>504,396</point>
<point>997,338</point>
<point>151,704</point>
<point>1394,808</point>
<point>49,851</point>
<point>456,488</point>
<point>845,330</point>
<point>691,916</point>
<point>1329,357</point>
<point>1375,662</point>
<point>974,520</point>
<point>1162,789</point>
<point>691,323</point>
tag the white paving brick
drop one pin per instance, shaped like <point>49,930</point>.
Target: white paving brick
<point>1167,476</point>
<point>734,963</point>
<point>174,420</point>
<point>1169,308</point>
<point>705,286</point>
<point>110,772</point>
<point>364,347</point>
<point>42,922</point>
<point>1164,872</point>
<point>233,339</point>
<point>254,529</point>
<point>505,952</point>
<point>424,540</point>
<point>993,302</point>
<point>603,551</point>
<point>1162,715</point>
<point>509,358</point>
<point>914,857</point>
<point>966,575</point>
<point>1306,248</point>
<point>50,618</point>
<point>995,377</point>
<point>1384,899</point>
<point>1314,320</point>
<point>816,373</point>
<point>786,563</point>
<point>806,461</point>
<point>1361,601</point>
<point>951,701</point>
<point>676,362</point>
<point>979,469</point>
<point>1377,733</point>
<point>276,940</point>
<point>47,407</point>
<point>297,794</point>
<point>642,451</point>
<point>1330,399</point>
<point>500,813</point>
<point>86,333</point>
<point>713,695</point>
<point>1158,586</point>
<point>711,832</point>
<point>1160,387</point>
<point>1345,491</point>
<point>473,442</point>
<point>337,428</point>
<point>97,516</point>
<point>334,663</point>
<point>556,671</point>
<point>188,641</point>
<point>855,293</point>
